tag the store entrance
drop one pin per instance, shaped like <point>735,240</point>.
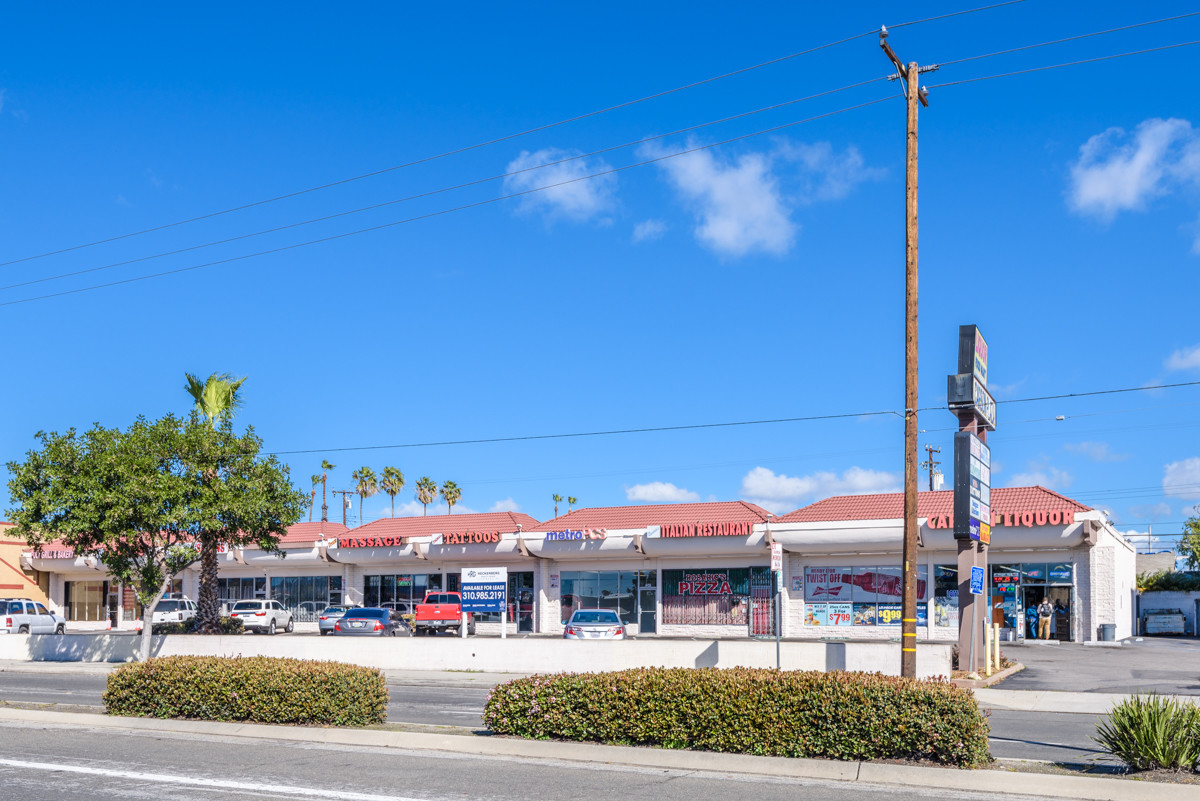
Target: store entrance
<point>1060,622</point>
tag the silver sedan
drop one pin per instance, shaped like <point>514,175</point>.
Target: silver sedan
<point>594,624</point>
<point>329,616</point>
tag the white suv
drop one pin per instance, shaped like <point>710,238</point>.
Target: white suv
<point>263,617</point>
<point>174,610</point>
<point>23,616</point>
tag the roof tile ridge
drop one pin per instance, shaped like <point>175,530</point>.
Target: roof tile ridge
<point>1060,495</point>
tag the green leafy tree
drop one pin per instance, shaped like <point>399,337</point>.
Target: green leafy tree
<point>391,482</point>
<point>137,500</point>
<point>427,492</point>
<point>451,494</point>
<point>557,500</point>
<point>367,484</point>
<point>1189,543</point>
<point>571,501</point>
<point>326,466</point>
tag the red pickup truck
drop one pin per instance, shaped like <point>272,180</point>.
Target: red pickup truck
<point>441,611</point>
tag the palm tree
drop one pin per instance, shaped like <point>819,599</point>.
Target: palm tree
<point>326,466</point>
<point>427,492</point>
<point>315,481</point>
<point>571,501</point>
<point>216,398</point>
<point>557,500</point>
<point>367,485</point>
<point>391,483</point>
<point>451,495</point>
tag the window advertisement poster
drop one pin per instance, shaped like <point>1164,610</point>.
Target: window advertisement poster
<point>922,614</point>
<point>1035,572</point>
<point>816,614</point>
<point>864,615</point>
<point>797,583</point>
<point>885,584</point>
<point>840,614</point>
<point>828,584</point>
<point>1061,573</point>
<point>888,614</point>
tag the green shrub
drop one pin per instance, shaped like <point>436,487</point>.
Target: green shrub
<point>258,689</point>
<point>740,710</point>
<point>1169,581</point>
<point>229,625</point>
<point>1151,732</point>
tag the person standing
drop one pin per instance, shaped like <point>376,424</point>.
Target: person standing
<point>1045,612</point>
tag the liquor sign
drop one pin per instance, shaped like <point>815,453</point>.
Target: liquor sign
<point>484,589</point>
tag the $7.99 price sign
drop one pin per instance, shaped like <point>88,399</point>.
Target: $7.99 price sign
<point>839,614</point>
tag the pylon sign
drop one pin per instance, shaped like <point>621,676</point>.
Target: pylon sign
<point>967,396</point>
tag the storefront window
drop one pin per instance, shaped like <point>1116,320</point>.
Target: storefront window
<point>306,596</point>
<point>403,591</point>
<point>232,590</point>
<point>945,596</point>
<point>631,593</point>
<point>861,596</point>
<point>86,600</point>
<point>520,602</point>
<point>710,596</point>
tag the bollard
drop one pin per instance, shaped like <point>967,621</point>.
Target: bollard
<point>987,650</point>
<point>462,629</point>
<point>996,639</point>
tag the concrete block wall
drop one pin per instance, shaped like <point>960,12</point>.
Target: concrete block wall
<point>1183,601</point>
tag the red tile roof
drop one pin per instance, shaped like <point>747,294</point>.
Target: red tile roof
<point>311,532</point>
<point>890,506</point>
<point>445,524</point>
<point>623,517</point>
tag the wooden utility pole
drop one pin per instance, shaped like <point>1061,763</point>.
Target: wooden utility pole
<point>346,502</point>
<point>931,465</point>
<point>909,75</point>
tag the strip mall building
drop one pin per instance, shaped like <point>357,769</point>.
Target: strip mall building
<point>694,570</point>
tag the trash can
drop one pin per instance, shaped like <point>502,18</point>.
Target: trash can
<point>1108,632</point>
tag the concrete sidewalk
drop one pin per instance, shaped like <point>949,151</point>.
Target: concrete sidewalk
<point>1056,701</point>
<point>1000,782</point>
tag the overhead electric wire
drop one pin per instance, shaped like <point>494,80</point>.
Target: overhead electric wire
<point>689,427</point>
<point>497,140</point>
<point>1067,39</point>
<point>440,212</point>
<point>1065,64</point>
<point>442,190</point>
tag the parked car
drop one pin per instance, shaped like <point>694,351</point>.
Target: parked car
<point>329,616</point>
<point>263,617</point>
<point>171,610</point>
<point>441,611</point>
<point>370,621</point>
<point>23,616</point>
<point>594,624</point>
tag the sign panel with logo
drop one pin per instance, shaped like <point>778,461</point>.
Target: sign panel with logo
<point>777,557</point>
<point>484,589</point>
<point>977,580</point>
<point>972,488</point>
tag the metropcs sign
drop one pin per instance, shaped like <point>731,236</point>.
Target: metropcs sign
<point>578,534</point>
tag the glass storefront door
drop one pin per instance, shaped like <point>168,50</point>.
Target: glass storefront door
<point>1060,623</point>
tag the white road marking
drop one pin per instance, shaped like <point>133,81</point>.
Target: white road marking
<point>270,789</point>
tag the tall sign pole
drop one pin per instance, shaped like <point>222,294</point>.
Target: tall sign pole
<point>968,398</point>
<point>909,78</point>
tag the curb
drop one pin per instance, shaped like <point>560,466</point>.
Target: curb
<point>1000,782</point>
<point>979,684</point>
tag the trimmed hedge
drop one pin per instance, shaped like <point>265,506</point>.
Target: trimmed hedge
<point>258,689</point>
<point>229,625</point>
<point>836,715</point>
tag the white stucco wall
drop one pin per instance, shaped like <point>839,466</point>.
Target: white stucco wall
<point>1183,601</point>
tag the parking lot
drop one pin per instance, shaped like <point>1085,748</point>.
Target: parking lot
<point>1159,664</point>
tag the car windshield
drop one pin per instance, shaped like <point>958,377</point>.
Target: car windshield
<point>333,610</point>
<point>247,605</point>
<point>441,598</point>
<point>367,613</point>
<point>167,606</point>
<point>607,618</point>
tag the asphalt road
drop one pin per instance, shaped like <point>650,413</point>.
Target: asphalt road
<point>1015,735</point>
<point>41,763</point>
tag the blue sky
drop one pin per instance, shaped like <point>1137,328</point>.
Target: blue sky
<point>762,279</point>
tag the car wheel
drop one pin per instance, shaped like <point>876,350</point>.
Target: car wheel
<point>271,628</point>
<point>290,626</point>
<point>61,629</point>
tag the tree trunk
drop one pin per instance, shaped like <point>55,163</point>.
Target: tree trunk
<point>208,615</point>
<point>324,505</point>
<point>312,505</point>
<point>147,621</point>
<point>393,506</point>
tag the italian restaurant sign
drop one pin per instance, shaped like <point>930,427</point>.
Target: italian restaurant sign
<point>706,529</point>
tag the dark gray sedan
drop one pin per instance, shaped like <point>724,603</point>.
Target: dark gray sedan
<point>329,616</point>
<point>369,621</point>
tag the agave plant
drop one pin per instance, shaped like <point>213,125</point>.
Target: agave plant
<point>1153,732</point>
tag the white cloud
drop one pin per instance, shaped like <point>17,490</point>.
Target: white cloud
<point>1042,473</point>
<point>827,175</point>
<point>1182,479</point>
<point>782,493</point>
<point>1185,358</point>
<point>579,200</point>
<point>649,230</point>
<point>660,492</point>
<point>1096,451</point>
<point>1151,511</point>
<point>506,505</point>
<point>1114,174</point>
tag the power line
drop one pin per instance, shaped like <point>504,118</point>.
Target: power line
<point>497,140</point>
<point>442,190</point>
<point>691,427</point>
<point>1066,64</point>
<point>465,206</point>
<point>1067,39</point>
